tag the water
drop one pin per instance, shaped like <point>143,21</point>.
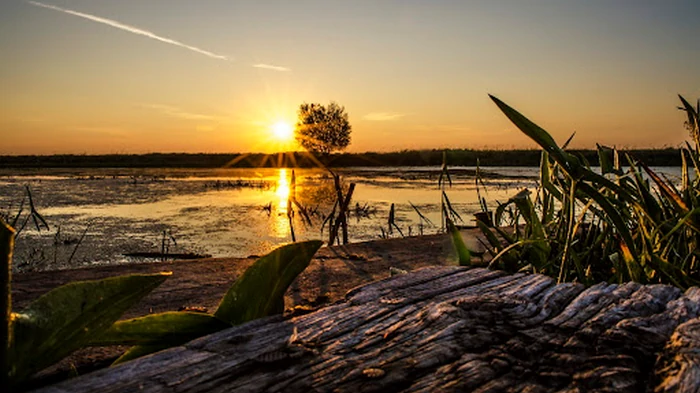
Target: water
<point>225,212</point>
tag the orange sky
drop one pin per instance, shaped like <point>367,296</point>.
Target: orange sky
<point>98,76</point>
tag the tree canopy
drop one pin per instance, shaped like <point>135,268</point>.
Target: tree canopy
<point>323,129</point>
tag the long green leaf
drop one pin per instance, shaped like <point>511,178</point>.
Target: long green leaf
<point>691,112</point>
<point>490,236</point>
<point>546,177</point>
<point>685,179</point>
<point>463,254</point>
<point>666,190</point>
<point>650,205</point>
<point>605,159</point>
<point>568,141</point>
<point>171,328</point>
<point>694,158</point>
<point>633,267</point>
<point>537,134</point>
<point>527,210</point>
<point>259,292</point>
<point>67,317</point>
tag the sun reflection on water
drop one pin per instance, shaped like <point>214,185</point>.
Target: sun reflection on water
<point>282,192</point>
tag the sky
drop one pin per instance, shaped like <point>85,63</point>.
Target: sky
<point>139,76</point>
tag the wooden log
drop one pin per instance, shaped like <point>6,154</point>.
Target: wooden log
<point>678,368</point>
<point>442,329</point>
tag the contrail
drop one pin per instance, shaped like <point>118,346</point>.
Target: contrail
<point>130,29</point>
<point>271,67</point>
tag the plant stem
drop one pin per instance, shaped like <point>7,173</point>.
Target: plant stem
<point>7,239</point>
<point>563,270</point>
<point>80,241</point>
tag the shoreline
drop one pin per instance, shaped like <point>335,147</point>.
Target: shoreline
<point>361,262</point>
<point>427,157</point>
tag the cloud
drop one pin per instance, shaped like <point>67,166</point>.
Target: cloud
<point>383,116</point>
<point>177,112</point>
<point>130,29</point>
<point>271,67</point>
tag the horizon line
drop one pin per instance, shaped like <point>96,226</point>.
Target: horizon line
<point>524,149</point>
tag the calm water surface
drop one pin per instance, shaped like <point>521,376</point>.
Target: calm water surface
<point>225,212</point>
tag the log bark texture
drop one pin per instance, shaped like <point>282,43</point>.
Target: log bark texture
<point>443,329</point>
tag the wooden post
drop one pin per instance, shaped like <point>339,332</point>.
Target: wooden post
<point>344,210</point>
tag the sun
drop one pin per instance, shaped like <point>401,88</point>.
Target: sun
<point>283,131</point>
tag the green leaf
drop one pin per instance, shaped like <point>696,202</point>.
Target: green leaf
<point>490,236</point>
<point>463,253</point>
<point>694,158</point>
<point>259,292</point>
<point>168,328</point>
<point>66,318</point>
<point>648,203</point>
<point>527,210</point>
<point>537,134</point>
<point>568,141</point>
<point>690,111</point>
<point>139,351</point>
<point>633,267</point>
<point>667,191</point>
<point>606,159</point>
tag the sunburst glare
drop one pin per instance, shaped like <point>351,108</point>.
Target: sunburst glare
<point>283,131</point>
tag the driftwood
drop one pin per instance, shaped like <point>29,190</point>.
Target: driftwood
<point>166,255</point>
<point>443,329</point>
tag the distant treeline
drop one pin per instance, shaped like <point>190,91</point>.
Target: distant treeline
<point>457,157</point>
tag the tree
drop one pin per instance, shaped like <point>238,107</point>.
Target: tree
<point>323,129</point>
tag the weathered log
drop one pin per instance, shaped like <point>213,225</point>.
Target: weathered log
<point>163,256</point>
<point>442,329</point>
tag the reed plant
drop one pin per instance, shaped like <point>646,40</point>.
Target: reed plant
<point>624,222</point>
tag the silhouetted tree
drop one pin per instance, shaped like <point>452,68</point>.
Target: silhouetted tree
<point>323,129</point>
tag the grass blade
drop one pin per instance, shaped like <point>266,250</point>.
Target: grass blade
<point>463,254</point>
<point>420,215</point>
<point>667,191</point>
<point>612,213</point>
